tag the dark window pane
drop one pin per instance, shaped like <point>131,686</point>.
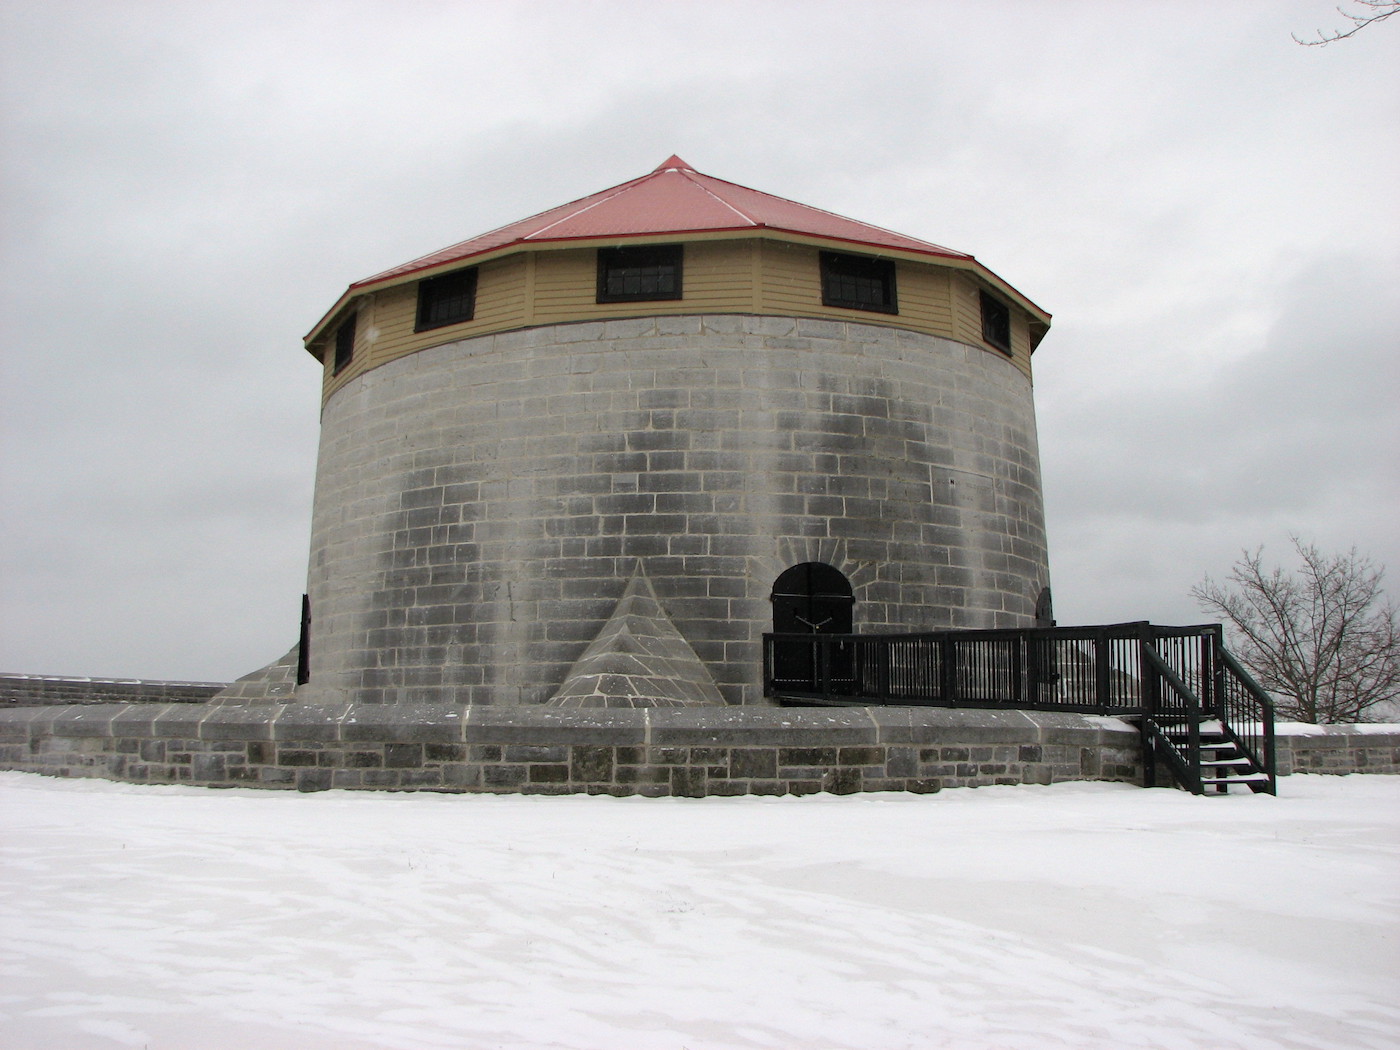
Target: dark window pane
<point>858,282</point>
<point>448,299</point>
<point>639,274</point>
<point>996,323</point>
<point>344,343</point>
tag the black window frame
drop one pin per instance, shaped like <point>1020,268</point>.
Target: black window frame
<point>447,299</point>
<point>996,322</point>
<point>344,344</point>
<point>843,273</point>
<point>613,262</point>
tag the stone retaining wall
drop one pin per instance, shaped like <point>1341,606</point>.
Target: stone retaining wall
<point>686,752</point>
<point>29,690</point>
<point>1366,748</point>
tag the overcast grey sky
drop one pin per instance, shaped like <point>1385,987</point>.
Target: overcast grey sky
<point>1209,210</point>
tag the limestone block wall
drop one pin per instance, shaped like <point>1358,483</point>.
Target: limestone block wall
<point>1337,749</point>
<point>663,751</point>
<point>481,505</point>
<point>535,750</point>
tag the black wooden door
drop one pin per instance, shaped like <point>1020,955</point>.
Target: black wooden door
<point>810,599</point>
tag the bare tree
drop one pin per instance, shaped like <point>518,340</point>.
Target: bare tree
<point>1371,11</point>
<point>1323,641</point>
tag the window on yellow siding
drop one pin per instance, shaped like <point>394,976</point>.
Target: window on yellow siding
<point>344,343</point>
<point>996,323</point>
<point>449,299</point>
<point>627,275</point>
<point>858,282</point>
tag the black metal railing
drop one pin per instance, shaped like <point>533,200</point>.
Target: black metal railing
<point>1247,714</point>
<point>1171,679</point>
<point>1170,722</point>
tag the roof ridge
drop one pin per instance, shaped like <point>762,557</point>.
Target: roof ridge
<point>611,192</point>
<point>835,215</point>
<point>688,173</point>
<point>594,199</point>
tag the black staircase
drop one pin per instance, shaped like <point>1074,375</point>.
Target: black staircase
<point>1203,719</point>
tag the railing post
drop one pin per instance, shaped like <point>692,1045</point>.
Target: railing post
<point>1018,667</point>
<point>768,644</point>
<point>1102,652</point>
<point>1193,751</point>
<point>1270,761</point>
<point>948,670</point>
<point>1215,699</point>
<point>824,642</point>
<point>1150,686</point>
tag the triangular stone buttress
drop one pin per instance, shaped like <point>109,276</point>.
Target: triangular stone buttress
<point>638,659</point>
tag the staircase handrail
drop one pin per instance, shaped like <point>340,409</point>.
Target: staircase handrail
<point>1267,761</point>
<point>1185,767</point>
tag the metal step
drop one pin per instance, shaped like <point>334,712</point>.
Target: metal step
<point>1243,778</point>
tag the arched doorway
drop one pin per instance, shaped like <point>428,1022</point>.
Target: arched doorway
<point>810,599</point>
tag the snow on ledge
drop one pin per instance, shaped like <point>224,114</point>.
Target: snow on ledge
<point>1336,728</point>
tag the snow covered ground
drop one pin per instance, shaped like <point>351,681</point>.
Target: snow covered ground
<point>1087,916</point>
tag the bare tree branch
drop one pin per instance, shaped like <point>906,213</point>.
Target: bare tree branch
<point>1324,641</point>
<point>1372,11</point>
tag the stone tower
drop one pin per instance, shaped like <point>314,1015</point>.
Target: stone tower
<point>589,458</point>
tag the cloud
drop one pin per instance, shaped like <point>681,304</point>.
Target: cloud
<point>1200,202</point>
<point>1297,432</point>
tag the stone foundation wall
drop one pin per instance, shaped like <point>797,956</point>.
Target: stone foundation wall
<point>686,752</point>
<point>619,752</point>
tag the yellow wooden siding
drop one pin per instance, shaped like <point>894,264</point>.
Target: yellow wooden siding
<point>1020,341</point>
<point>715,278</point>
<point>384,329</point>
<point>500,303</point>
<point>791,281</point>
<point>331,381</point>
<point>967,322</point>
<point>925,302</point>
<point>791,285</point>
<point>967,311</point>
<point>742,275</point>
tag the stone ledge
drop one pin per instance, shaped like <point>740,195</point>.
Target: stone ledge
<point>1300,734</point>
<point>34,690</point>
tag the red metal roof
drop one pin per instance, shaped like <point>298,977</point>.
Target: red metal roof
<point>674,198</point>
